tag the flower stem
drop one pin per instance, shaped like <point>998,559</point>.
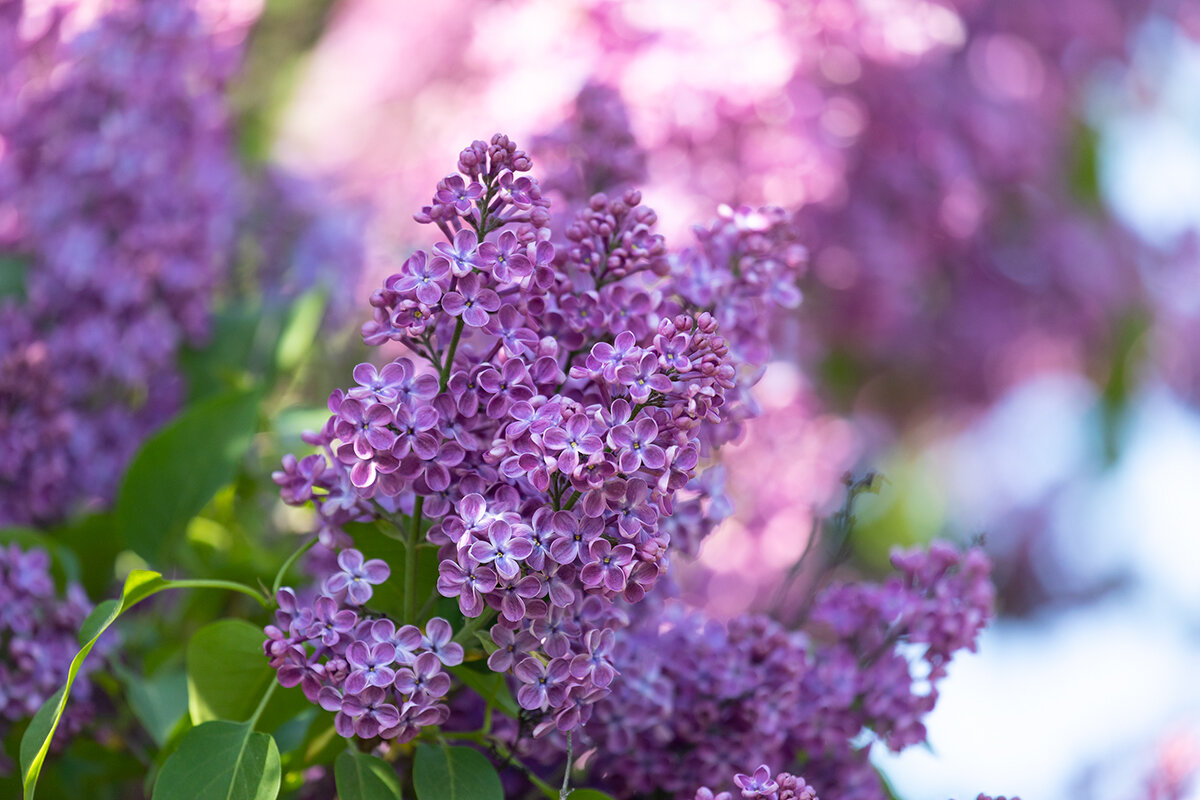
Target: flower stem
<point>410,561</point>
<point>444,378</point>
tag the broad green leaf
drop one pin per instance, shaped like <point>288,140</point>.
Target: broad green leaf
<point>36,742</point>
<point>454,773</point>
<point>139,585</point>
<point>224,362</point>
<point>489,685</point>
<point>180,468</point>
<point>158,701</point>
<point>388,597</point>
<point>360,776</point>
<point>589,794</point>
<point>227,672</point>
<point>221,760</point>
<point>300,330</point>
<point>97,541</point>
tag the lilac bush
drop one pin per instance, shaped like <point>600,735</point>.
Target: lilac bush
<point>38,638</point>
<point>118,206</point>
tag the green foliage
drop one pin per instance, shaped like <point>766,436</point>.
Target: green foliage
<point>158,701</point>
<point>589,794</point>
<point>454,773</point>
<point>221,760</point>
<point>180,468</point>
<point>300,329</point>
<point>377,541</point>
<point>491,686</point>
<point>12,277</point>
<point>35,744</point>
<point>227,672</point>
<point>360,776</point>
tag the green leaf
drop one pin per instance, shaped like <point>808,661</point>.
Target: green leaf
<point>180,468</point>
<point>301,329</point>
<point>224,362</point>
<point>139,585</point>
<point>35,744</point>
<point>388,597</point>
<point>157,701</point>
<point>589,794</point>
<point>221,760</point>
<point>227,672</point>
<point>360,776</point>
<point>489,685</point>
<point>454,773</point>
<point>12,276</point>
<point>97,541</point>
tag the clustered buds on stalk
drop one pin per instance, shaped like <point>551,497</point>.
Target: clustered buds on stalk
<point>562,405</point>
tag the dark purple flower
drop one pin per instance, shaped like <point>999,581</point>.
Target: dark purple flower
<point>541,682</point>
<point>606,565</point>
<point>643,378</point>
<point>635,446</point>
<point>510,647</point>
<point>370,711</point>
<point>468,582</point>
<point>574,440</point>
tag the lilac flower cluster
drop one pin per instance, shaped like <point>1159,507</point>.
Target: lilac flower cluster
<point>38,638</point>
<point>761,786</point>
<point>744,265</point>
<point>593,150</point>
<point>380,679</point>
<point>568,394</point>
<point>117,209</point>
<point>697,699</point>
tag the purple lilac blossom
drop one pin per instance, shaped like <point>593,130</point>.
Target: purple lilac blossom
<point>557,436</point>
<point>39,633</point>
<point>118,202</point>
<point>695,699</point>
<point>379,679</point>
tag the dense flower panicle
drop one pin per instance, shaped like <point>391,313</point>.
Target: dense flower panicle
<point>117,208</point>
<point>379,678</point>
<point>38,638</point>
<point>743,267</point>
<point>593,150</point>
<point>697,698</point>
<point>569,393</point>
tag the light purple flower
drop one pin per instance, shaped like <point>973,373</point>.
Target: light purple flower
<point>356,577</point>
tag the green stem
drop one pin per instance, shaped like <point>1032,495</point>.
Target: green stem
<point>474,624</point>
<point>410,561</point>
<point>304,548</point>
<point>572,501</point>
<point>449,362</point>
<point>262,704</point>
<point>230,585</point>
